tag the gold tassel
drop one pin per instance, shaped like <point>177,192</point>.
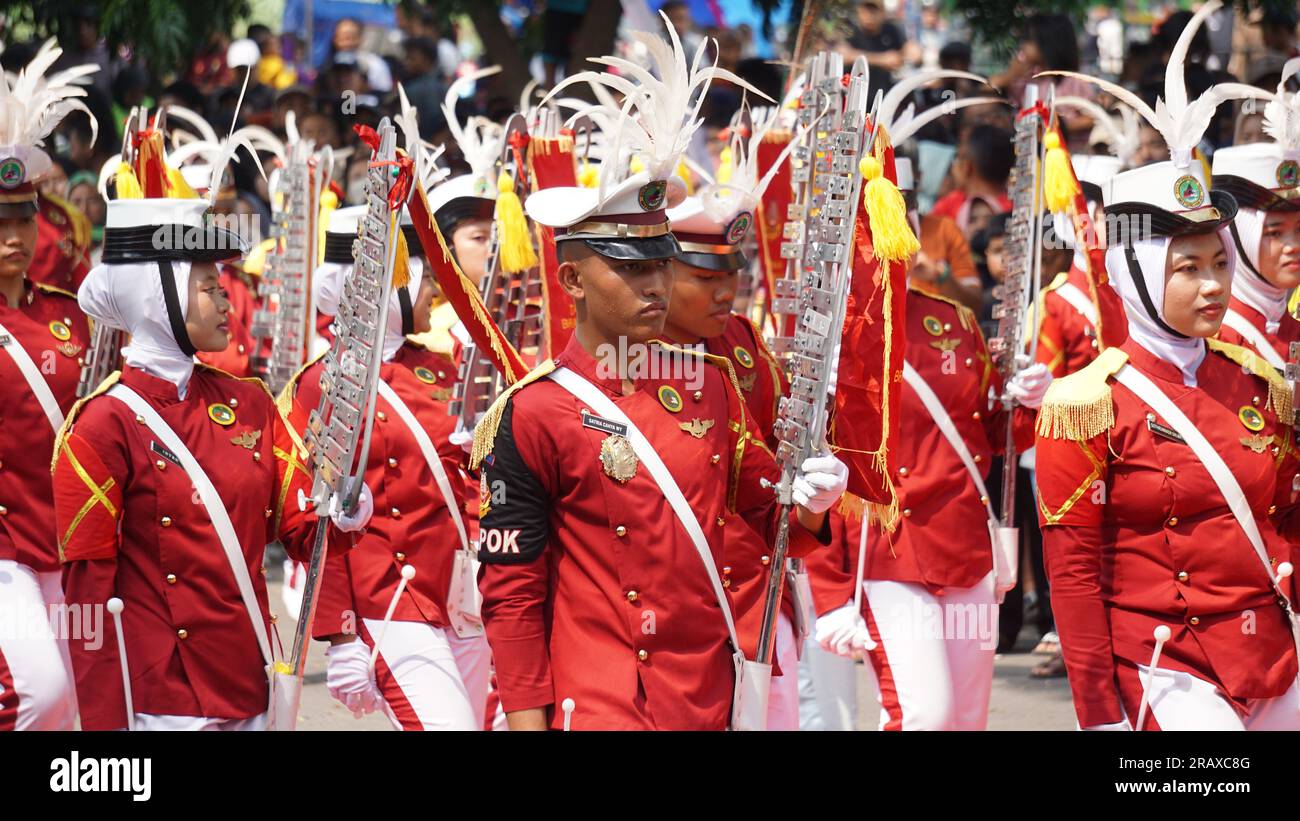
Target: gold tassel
<point>402,263</point>
<point>177,187</point>
<point>891,236</point>
<point>485,432</point>
<point>1059,189</point>
<point>851,507</point>
<point>516,250</point>
<point>125,183</point>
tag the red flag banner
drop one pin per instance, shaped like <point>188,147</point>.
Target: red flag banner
<point>551,164</point>
<point>772,214</point>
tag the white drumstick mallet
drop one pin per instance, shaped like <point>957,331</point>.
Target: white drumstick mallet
<point>567,706</point>
<point>868,643</point>
<point>408,573</point>
<point>1162,634</point>
<point>115,607</point>
<point>1284,571</point>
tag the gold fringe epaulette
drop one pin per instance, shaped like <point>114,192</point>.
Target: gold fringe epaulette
<point>109,381</point>
<point>883,516</point>
<point>485,432</point>
<point>1079,406</point>
<point>1280,397</point>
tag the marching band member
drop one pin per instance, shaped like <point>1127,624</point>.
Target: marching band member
<point>136,455</point>
<point>433,662</point>
<point>609,472</point>
<point>43,335</point>
<point>1165,470</point>
<point>1265,180</point>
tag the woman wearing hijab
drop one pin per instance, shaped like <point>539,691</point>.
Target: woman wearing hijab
<point>170,479</point>
<point>42,337</point>
<point>432,668</point>
<point>1165,472</point>
<point>1265,180</point>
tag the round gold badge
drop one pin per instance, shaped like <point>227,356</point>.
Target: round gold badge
<point>60,331</point>
<point>425,375</point>
<point>670,398</point>
<point>1251,418</point>
<point>221,414</point>
<point>933,326</point>
<point>743,356</point>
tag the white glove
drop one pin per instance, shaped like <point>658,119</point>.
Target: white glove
<point>1028,386</point>
<point>359,517</point>
<point>820,482</point>
<point>464,439</point>
<point>843,632</point>
<point>349,678</point>
<point>1119,726</point>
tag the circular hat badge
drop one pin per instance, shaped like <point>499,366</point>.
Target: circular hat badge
<point>1288,173</point>
<point>12,172</point>
<point>651,196</point>
<point>1189,192</point>
<point>739,227</point>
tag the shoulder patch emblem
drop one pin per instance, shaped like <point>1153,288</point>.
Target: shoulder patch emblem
<point>425,375</point>
<point>1251,418</point>
<point>933,326</point>
<point>743,356</point>
<point>60,331</point>
<point>221,414</point>
<point>670,398</point>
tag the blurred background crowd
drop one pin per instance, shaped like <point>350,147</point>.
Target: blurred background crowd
<point>338,63</point>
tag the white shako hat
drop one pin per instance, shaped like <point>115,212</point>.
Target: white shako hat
<point>166,229</point>
<point>30,109</point>
<point>902,125</point>
<point>625,215</point>
<point>1093,171</point>
<point>481,141</point>
<point>711,225</point>
<point>1266,176</point>
<point>1173,197</point>
<point>342,232</point>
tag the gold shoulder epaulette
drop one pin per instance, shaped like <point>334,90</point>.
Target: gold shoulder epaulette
<point>964,315</point>
<point>1079,406</point>
<point>1280,398</point>
<point>285,400</point>
<point>53,289</point>
<point>109,381</point>
<point>485,432</point>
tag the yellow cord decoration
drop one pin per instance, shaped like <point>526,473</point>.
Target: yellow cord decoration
<point>517,252</point>
<point>1059,188</point>
<point>126,184</point>
<point>891,236</point>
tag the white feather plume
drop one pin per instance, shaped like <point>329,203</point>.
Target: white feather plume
<point>32,105</point>
<point>1180,122</point>
<point>744,189</point>
<point>903,89</point>
<point>909,123</point>
<point>1282,114</point>
<point>1121,134</point>
<point>478,137</point>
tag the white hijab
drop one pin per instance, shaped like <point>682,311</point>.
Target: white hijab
<point>1063,227</point>
<point>1246,285</point>
<point>327,289</point>
<point>1185,354</point>
<point>129,297</point>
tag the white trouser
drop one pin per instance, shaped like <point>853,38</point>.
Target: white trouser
<point>418,674</point>
<point>1181,701</point>
<point>783,694</point>
<point>933,663</point>
<point>38,660</point>
<point>828,690</point>
<point>152,722</point>
<point>474,660</point>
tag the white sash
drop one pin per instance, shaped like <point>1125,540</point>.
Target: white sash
<point>216,509</point>
<point>1004,566</point>
<point>1080,301</point>
<point>1150,393</point>
<point>463,599</point>
<point>749,703</point>
<point>1257,340</point>
<point>40,388</point>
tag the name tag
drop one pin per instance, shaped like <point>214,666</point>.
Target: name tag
<point>603,425</point>
<point>1165,431</point>
<point>164,453</point>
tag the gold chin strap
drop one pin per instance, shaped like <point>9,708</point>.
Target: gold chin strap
<point>615,229</point>
<point>1206,213</point>
<point>702,248</point>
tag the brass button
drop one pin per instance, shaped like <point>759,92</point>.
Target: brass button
<point>969,361</point>
<point>902,471</point>
<point>166,521</point>
<point>395,513</point>
<point>947,327</point>
<point>263,570</point>
<point>642,654</point>
<point>234,403</point>
<point>171,578</point>
<point>978,458</point>
<point>1254,400</point>
<point>139,419</point>
<point>381,416</point>
<point>160,464</point>
<point>442,375</point>
<point>907,511</point>
<point>976,416</point>
<point>1173,521</point>
<point>392,463</point>
<point>182,634</point>
<point>715,458</point>
<point>1272,509</point>
<point>257,456</point>
<point>241,347</point>
<point>1194,620</point>
<point>631,595</point>
<point>766,560</point>
<point>1151,417</point>
<point>1170,472</point>
<point>726,583</point>
<point>1183,576</point>
<point>267,513</point>
<point>726,571</point>
<point>274,618</point>
<point>698,395</point>
<point>721,521</point>
<point>401,557</point>
<point>1094,344</point>
<point>620,531</point>
<point>984,500</point>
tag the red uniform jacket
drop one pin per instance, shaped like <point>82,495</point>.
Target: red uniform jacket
<point>61,257</point>
<point>1067,339</point>
<point>1288,330</point>
<point>52,330</point>
<point>942,538</point>
<point>591,588</point>
<point>131,526</point>
<point>1136,534</point>
<point>411,524</point>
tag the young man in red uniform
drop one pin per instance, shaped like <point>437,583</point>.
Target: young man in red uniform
<point>43,335</point>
